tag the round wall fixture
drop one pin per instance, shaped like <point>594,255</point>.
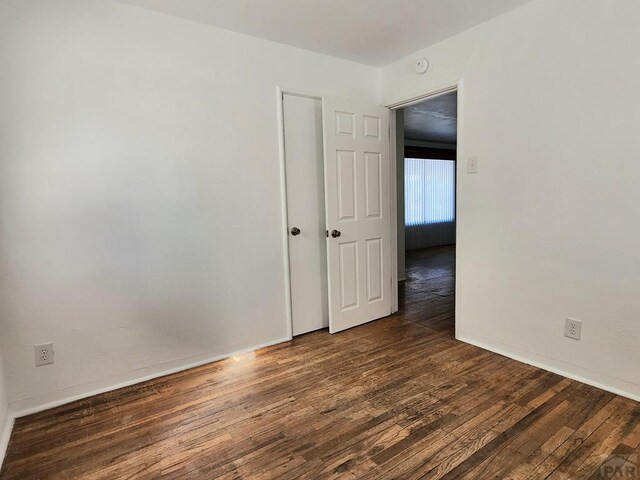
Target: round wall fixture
<point>422,65</point>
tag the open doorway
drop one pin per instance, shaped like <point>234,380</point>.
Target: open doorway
<point>426,169</point>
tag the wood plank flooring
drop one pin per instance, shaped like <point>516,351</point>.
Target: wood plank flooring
<point>398,398</point>
<point>427,297</point>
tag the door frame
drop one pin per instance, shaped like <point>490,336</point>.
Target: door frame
<point>455,86</point>
<point>280,92</point>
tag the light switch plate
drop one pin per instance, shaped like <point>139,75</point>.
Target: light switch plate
<point>472,165</point>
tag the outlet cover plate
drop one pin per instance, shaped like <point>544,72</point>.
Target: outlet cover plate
<point>573,328</point>
<point>44,354</point>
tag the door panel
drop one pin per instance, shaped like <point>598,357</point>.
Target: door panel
<point>304,169</point>
<point>349,276</point>
<point>357,200</point>
<point>373,193</point>
<point>346,185</point>
<point>374,270</point>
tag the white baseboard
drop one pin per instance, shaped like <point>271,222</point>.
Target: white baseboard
<point>574,372</point>
<point>39,403</point>
<point>28,406</point>
<point>5,434</point>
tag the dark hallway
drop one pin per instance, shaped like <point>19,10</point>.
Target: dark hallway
<point>427,297</point>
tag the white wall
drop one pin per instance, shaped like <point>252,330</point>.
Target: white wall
<point>140,191</point>
<point>549,227</point>
<point>5,421</point>
<point>3,394</point>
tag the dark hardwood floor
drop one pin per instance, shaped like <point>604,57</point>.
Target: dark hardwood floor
<point>398,398</point>
<point>427,297</point>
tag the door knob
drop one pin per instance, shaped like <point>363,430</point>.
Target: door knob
<point>295,231</point>
<point>335,233</point>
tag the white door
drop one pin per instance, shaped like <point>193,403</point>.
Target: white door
<point>357,200</point>
<point>305,212</point>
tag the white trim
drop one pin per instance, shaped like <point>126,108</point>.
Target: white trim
<point>298,93</point>
<point>604,382</point>
<point>460,171</point>
<point>284,219</point>
<point>5,434</point>
<point>281,91</point>
<point>39,403</point>
<point>393,214</point>
<point>431,93</point>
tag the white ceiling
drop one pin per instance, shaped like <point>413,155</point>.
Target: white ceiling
<point>373,32</point>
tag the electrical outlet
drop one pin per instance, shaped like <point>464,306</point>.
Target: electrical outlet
<point>573,328</point>
<point>44,354</point>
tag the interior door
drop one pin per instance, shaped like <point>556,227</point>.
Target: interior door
<point>357,200</point>
<point>304,171</point>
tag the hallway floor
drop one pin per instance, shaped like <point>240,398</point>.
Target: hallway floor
<point>427,296</point>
